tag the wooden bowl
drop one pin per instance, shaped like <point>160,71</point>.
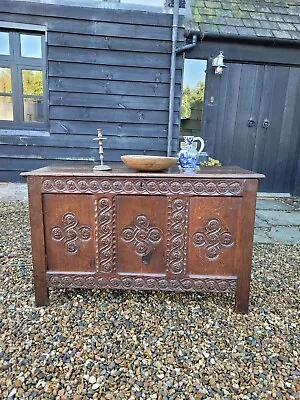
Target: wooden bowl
<point>148,163</point>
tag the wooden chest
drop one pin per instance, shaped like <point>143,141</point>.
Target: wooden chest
<point>142,231</point>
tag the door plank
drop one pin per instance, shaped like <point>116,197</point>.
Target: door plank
<point>254,113</point>
<point>267,91</point>
<point>272,134</point>
<point>289,140</point>
<point>220,112</point>
<point>241,129</point>
<point>231,106</point>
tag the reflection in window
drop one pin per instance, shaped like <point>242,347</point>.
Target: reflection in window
<point>5,80</point>
<point>193,86</point>
<point>6,108</point>
<point>32,82</point>
<point>33,110</point>
<point>31,46</point>
<point>33,106</point>
<point>192,97</point>
<point>4,44</point>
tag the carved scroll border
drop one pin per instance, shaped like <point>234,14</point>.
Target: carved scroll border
<point>177,235</point>
<point>184,186</point>
<point>105,233</point>
<point>209,284</point>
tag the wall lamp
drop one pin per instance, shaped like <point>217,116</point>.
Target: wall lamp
<point>218,63</point>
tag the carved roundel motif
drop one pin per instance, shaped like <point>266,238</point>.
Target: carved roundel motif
<point>214,238</point>
<point>142,235</point>
<point>70,233</point>
<point>159,186</point>
<point>71,185</point>
<point>117,282</point>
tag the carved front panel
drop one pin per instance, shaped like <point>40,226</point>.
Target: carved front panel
<point>213,235</point>
<point>69,232</point>
<point>141,234</point>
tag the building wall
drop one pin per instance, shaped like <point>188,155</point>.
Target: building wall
<point>251,112</point>
<point>107,69</point>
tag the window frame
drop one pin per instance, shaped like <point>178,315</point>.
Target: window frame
<point>17,63</point>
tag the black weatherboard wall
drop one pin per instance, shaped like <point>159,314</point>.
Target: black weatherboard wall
<point>108,69</point>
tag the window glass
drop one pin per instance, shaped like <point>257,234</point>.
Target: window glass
<point>33,110</point>
<point>31,46</point>
<point>5,80</point>
<point>192,97</point>
<point>193,86</point>
<point>4,43</point>
<point>6,108</point>
<point>32,82</point>
<point>22,79</point>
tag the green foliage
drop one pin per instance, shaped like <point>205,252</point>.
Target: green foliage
<point>211,162</point>
<point>5,80</point>
<point>32,82</point>
<point>189,97</point>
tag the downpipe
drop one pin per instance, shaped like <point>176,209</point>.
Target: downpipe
<point>172,76</point>
<point>188,46</point>
<point>174,53</point>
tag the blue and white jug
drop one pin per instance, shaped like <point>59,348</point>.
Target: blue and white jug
<point>189,155</point>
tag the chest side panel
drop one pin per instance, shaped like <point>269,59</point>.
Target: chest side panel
<point>69,232</point>
<point>213,239</point>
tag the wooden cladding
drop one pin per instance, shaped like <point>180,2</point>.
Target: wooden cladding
<point>109,73</point>
<point>78,85</point>
<point>108,43</point>
<point>105,67</point>
<point>110,57</point>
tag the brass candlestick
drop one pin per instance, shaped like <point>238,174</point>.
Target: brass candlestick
<point>101,167</point>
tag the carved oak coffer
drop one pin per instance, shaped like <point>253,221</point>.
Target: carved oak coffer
<point>152,231</point>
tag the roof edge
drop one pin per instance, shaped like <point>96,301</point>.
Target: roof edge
<point>243,38</point>
<point>110,5</point>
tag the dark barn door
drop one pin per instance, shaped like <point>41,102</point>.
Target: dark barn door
<point>252,118</point>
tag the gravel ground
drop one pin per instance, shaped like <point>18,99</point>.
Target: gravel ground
<point>294,201</point>
<point>146,345</point>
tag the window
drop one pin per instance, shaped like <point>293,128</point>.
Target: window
<point>22,80</point>
<point>192,97</point>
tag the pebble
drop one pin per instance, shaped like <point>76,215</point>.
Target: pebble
<point>110,344</point>
<point>96,386</point>
<point>92,379</point>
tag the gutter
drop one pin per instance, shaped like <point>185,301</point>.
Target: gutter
<point>242,38</point>
<point>172,76</point>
